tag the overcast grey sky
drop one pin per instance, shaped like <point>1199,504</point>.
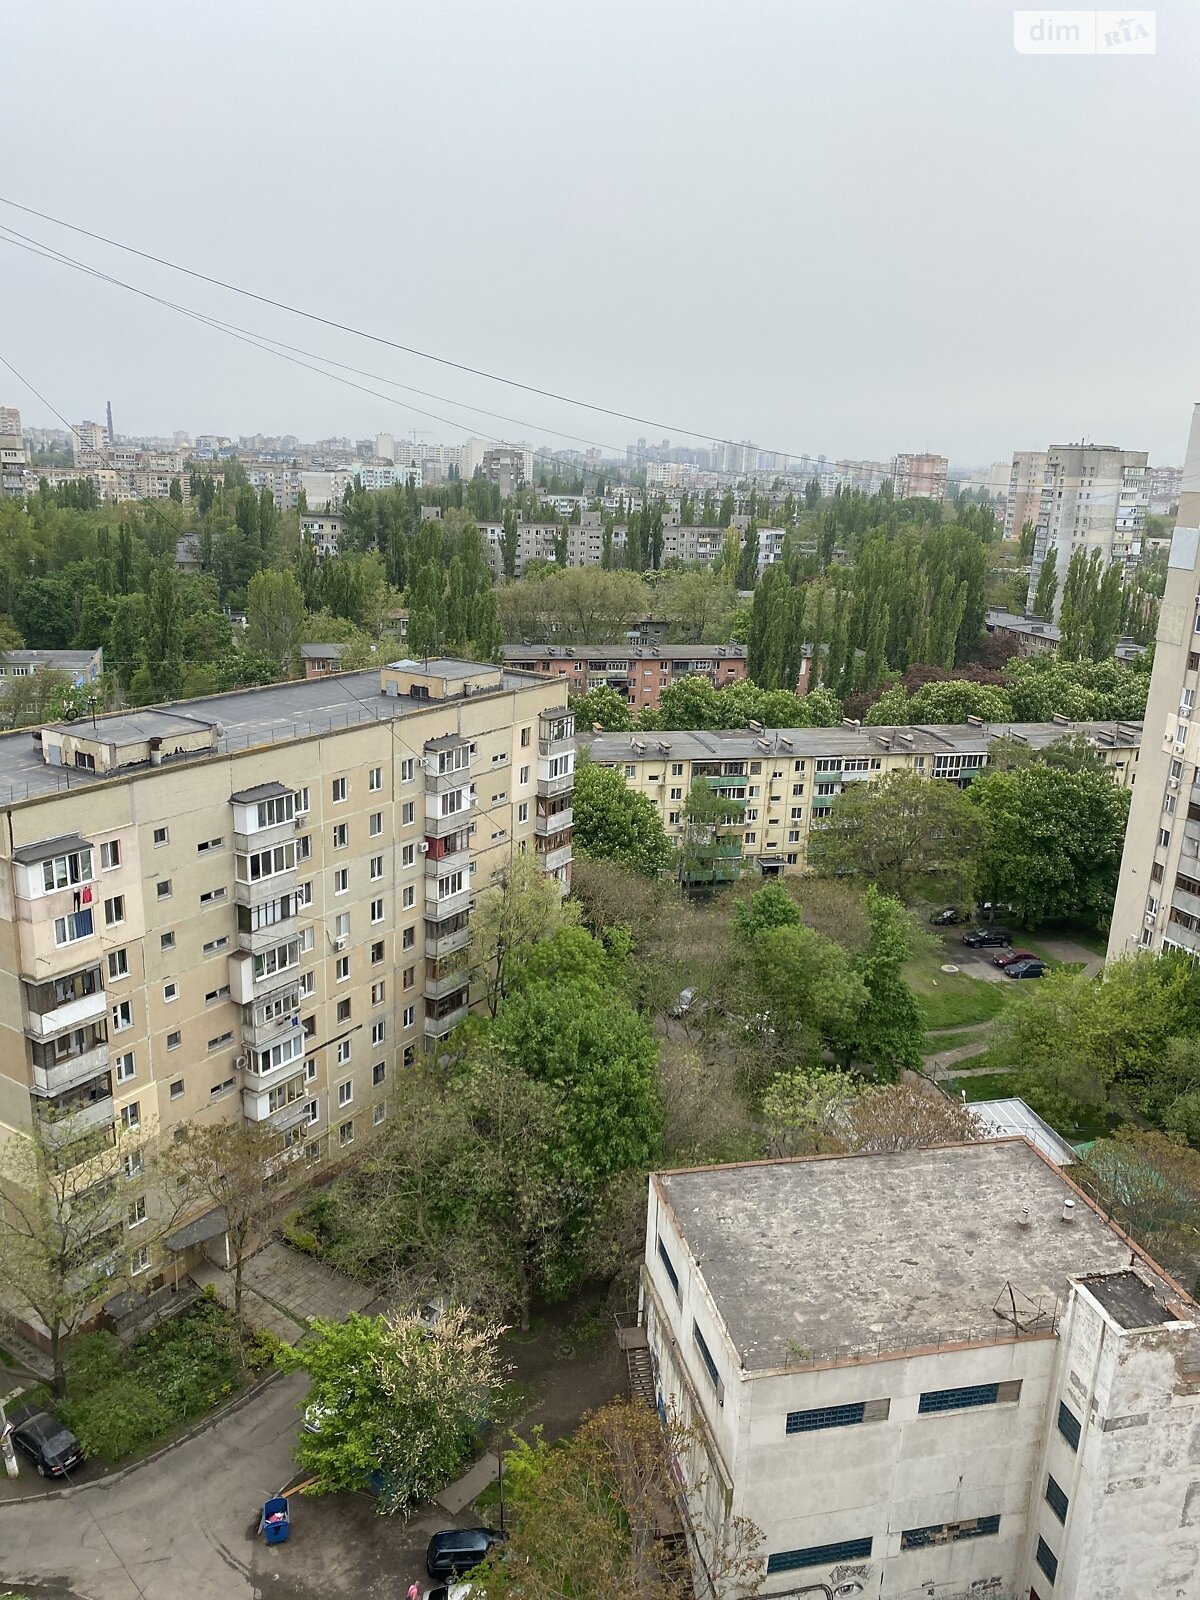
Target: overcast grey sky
<point>852,227</point>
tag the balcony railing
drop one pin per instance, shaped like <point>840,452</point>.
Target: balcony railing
<point>449,905</point>
<point>552,860</point>
<point>269,1030</point>
<point>289,1116</point>
<point>443,980</point>
<point>66,1127</point>
<point>553,822</point>
<point>436,1027</point>
<point>563,784</point>
<point>261,890</point>
<point>59,1076</point>
<point>71,1014</point>
<point>437,827</point>
<point>438,945</point>
<point>452,861</point>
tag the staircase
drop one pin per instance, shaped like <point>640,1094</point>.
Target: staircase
<point>639,1369</point>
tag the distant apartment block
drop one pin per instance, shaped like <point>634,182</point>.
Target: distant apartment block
<point>1158,891</point>
<point>257,907</point>
<point>510,468</point>
<point>1165,486</point>
<point>89,444</point>
<point>920,477</point>
<point>1094,498</point>
<point>325,529</point>
<point>1023,497</point>
<point>81,666</point>
<point>931,1373</point>
<point>638,675</point>
<point>12,455</point>
<point>783,781</point>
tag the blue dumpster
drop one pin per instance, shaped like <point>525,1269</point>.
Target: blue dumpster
<point>275,1523</point>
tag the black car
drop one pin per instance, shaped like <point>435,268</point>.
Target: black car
<point>51,1447</point>
<point>456,1550</point>
<point>1026,969</point>
<point>986,938</point>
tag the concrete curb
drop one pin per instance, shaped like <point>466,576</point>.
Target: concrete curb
<point>121,1473</point>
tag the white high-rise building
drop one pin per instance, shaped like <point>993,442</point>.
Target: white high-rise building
<point>385,447</point>
<point>1094,497</point>
<point>1023,497</point>
<point>1158,891</point>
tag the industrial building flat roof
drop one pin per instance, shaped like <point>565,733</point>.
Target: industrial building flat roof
<point>737,744</point>
<point>302,708</point>
<point>632,652</point>
<point>820,1258</point>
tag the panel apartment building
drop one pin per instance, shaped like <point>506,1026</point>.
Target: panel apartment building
<point>637,673</point>
<point>1158,892</point>
<point>1094,497</point>
<point>933,1373</point>
<point>785,780</point>
<point>1023,499</point>
<point>257,905</point>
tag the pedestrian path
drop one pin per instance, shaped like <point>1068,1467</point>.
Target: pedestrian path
<point>282,1289</point>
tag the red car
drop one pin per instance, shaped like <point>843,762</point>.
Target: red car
<point>1005,958</point>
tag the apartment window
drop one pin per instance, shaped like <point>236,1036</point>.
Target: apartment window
<point>60,872</point>
<point>377,952</point>
<point>346,1134</point>
<point>1187,701</point>
<point>668,1267</point>
<point>339,790</point>
<point>122,1016</point>
<point>676,794</point>
<point>126,1067</point>
<point>1164,838</point>
<point>407,767</point>
<point>677,769</point>
<point>310,1070</point>
<point>343,1011</point>
<point>1056,1499</point>
<point>134,1164</point>
<point>706,1356</point>
<point>174,1039</point>
<point>343,1051</point>
<point>304,847</point>
<point>213,897</point>
<point>340,836</point>
<point>220,1088</point>
<point>375,779</point>
<point>375,826</point>
<point>139,1261</point>
<point>162,836</point>
<point>378,1073</point>
<point>314,1114</point>
<point>1047,1560</point>
<point>341,925</point>
<point>378,1032</point>
<point>110,854</point>
<point>378,993</point>
<point>342,969</point>
<point>206,845</point>
<point>170,991</point>
<point>408,978</point>
<point>410,1055</point>
<point>525,735</point>
<point>118,963</point>
<point>819,1555</point>
<point>166,941</point>
<point>523,775</point>
<point>114,911</point>
<point>968,1395</point>
<point>215,996</point>
<point>523,811</point>
<point>215,946</point>
<point>376,868</point>
<point>409,897</point>
<point>376,910</point>
<point>163,888</point>
<point>948,1532</point>
<point>630,770</point>
<point>410,1016</point>
<point>341,880</point>
<point>408,854</point>
<point>308,982</point>
<point>131,1116</point>
<point>408,938</point>
<point>221,1040</point>
<point>408,814</point>
<point>345,1093</point>
<point>1068,1425</point>
<point>378,1114</point>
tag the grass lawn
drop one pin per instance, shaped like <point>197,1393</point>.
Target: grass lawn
<point>952,999</point>
<point>935,1043</point>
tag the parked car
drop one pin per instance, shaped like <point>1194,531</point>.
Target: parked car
<point>450,1591</point>
<point>1007,957</point>
<point>48,1443</point>
<point>947,917</point>
<point>985,938</point>
<point>454,1551</point>
<point>1026,969</point>
<point>684,1004</point>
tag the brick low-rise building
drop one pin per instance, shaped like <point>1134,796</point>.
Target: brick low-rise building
<point>638,674</point>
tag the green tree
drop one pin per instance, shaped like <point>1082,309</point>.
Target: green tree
<point>517,908</point>
<point>890,1028</point>
<point>163,637</point>
<point>509,543</point>
<point>398,1402</point>
<point>274,615</point>
<point>914,838</point>
<point>602,707</point>
<point>746,575</point>
<point>614,823</point>
<point>1054,840</point>
<point>1047,587</point>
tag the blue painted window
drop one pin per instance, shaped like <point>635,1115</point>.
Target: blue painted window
<point>825,1417</point>
<point>1068,1425</point>
<point>670,1267</point>
<point>819,1555</point>
<point>1056,1499</point>
<point>1047,1560</point>
<point>974,1394</point>
<point>948,1532</point>
<point>706,1355</point>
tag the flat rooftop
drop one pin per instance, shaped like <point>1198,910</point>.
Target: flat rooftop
<point>815,1258</point>
<point>245,718</point>
<point>738,744</point>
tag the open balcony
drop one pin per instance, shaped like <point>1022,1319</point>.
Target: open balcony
<point>556,731</point>
<point>447,764</point>
<point>440,823</point>
<point>553,817</point>
<point>55,1074</point>
<point>446,1013</point>
<point>84,1111</point>
<point>72,1002</point>
<point>289,1116</point>
<point>549,788</point>
<point>444,937</point>
<point>553,860</point>
<point>444,977</point>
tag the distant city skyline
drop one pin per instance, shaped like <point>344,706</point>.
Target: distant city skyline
<point>800,230</point>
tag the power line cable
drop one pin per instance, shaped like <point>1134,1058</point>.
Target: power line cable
<point>375,338</point>
<point>50,253</point>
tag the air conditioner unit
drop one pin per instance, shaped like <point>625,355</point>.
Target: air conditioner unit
<point>242,1061</point>
<point>1173,783</point>
<point>423,847</point>
<point>1151,918</point>
<point>339,944</point>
